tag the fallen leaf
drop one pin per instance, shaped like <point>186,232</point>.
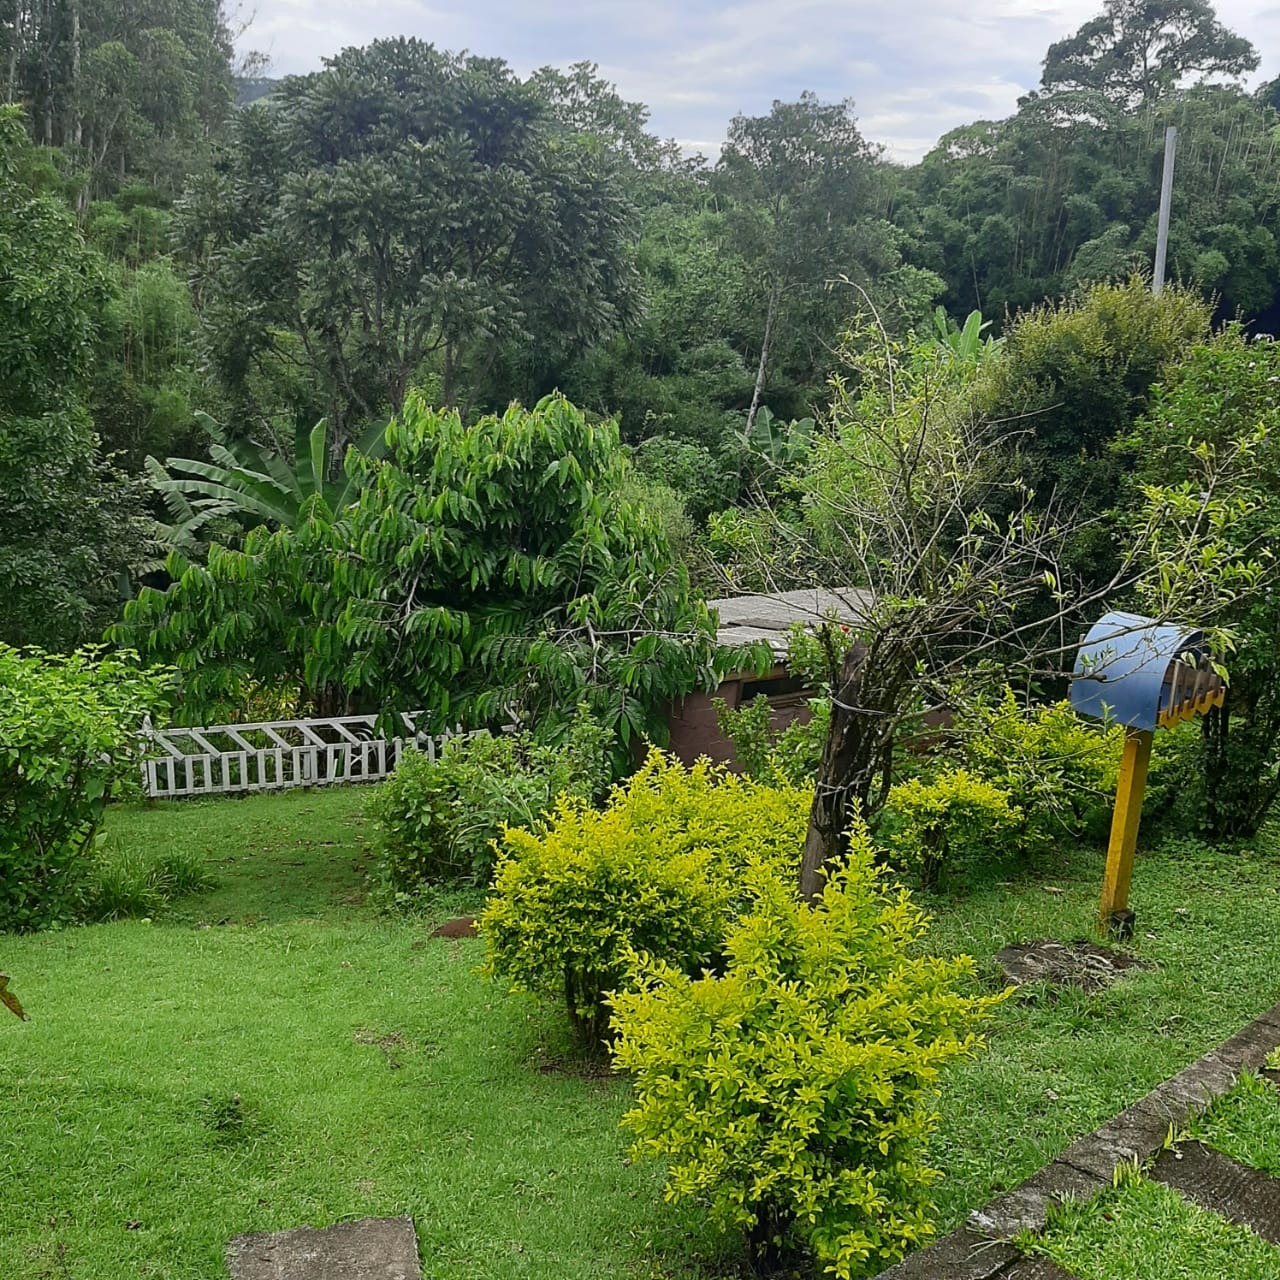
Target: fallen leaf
<point>9,1000</point>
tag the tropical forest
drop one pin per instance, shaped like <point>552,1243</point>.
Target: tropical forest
<point>576,706</point>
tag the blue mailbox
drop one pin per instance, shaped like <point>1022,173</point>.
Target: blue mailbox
<point>1143,674</point>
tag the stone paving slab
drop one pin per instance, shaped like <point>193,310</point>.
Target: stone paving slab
<point>1026,1208</point>
<point>1248,1197</point>
<point>963,1255</point>
<point>371,1249</point>
<point>1037,1269</point>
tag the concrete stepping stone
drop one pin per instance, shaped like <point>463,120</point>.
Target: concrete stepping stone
<point>371,1249</point>
<point>1037,1269</point>
<point>1248,1197</point>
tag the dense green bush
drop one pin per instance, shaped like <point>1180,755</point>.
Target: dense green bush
<point>768,754</point>
<point>1058,769</point>
<point>1175,800</point>
<point>1224,402</point>
<point>68,739</point>
<point>952,819</point>
<point>437,820</point>
<point>793,1092</point>
<point>663,869</point>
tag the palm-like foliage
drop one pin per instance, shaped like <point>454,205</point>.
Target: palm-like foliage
<point>254,485</point>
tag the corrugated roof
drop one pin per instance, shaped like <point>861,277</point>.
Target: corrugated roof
<point>747,619</point>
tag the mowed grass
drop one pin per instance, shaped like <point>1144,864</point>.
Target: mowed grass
<point>273,1052</point>
<point>1143,1231</point>
<point>1245,1125</point>
<point>1061,1062</point>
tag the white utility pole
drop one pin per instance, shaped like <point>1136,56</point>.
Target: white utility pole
<point>1166,199</point>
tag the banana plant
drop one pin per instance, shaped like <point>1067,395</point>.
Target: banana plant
<point>778,445</point>
<point>252,484</point>
<point>966,343</point>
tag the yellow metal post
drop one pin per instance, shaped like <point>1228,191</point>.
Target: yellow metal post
<point>1124,824</point>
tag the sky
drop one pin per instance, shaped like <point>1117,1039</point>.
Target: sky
<point>915,68</point>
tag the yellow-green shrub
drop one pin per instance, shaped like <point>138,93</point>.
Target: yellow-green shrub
<point>952,818</point>
<point>663,869</point>
<point>793,1094</point>
<point>1057,768</point>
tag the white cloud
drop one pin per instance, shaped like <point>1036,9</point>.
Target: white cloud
<point>915,69</point>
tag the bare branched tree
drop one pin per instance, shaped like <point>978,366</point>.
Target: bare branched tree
<point>955,567</point>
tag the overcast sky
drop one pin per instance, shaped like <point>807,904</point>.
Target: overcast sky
<point>915,68</point>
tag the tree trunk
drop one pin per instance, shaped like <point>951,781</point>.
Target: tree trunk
<point>775,297</point>
<point>76,116</point>
<point>850,761</point>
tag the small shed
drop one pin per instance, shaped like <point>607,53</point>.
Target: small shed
<point>753,619</point>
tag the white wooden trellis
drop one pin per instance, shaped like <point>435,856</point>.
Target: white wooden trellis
<point>226,759</point>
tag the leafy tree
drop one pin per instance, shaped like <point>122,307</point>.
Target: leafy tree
<point>481,572</point>
<point>1072,378</point>
<point>805,198</point>
<point>1137,51</point>
<point>1066,192</point>
<point>69,522</point>
<point>1226,392</point>
<point>966,580</point>
<point>398,218</point>
<point>124,88</point>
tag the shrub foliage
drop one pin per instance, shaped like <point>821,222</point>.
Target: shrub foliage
<point>954,818</point>
<point>663,869</point>
<point>437,820</point>
<point>1058,769</point>
<point>792,1092</point>
<point>68,739</point>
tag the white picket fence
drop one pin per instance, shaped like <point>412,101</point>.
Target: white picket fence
<point>226,759</point>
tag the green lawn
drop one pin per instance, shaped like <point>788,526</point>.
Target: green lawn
<point>273,1053</point>
<point>1140,1230</point>
<point>1143,1231</point>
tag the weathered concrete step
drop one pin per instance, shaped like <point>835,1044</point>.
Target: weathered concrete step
<point>966,1255</point>
<point>1247,1197</point>
<point>371,1249</point>
<point>1037,1269</point>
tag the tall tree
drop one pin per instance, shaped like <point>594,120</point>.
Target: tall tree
<point>1137,51</point>
<point>133,89</point>
<point>395,219</point>
<point>805,199</point>
<point>68,521</point>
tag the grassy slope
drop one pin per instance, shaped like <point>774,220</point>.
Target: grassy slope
<point>376,1074</point>
<point>278,987</point>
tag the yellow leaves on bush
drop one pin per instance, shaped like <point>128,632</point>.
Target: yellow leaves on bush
<point>792,1092</point>
<point>955,817</point>
<point>674,857</point>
